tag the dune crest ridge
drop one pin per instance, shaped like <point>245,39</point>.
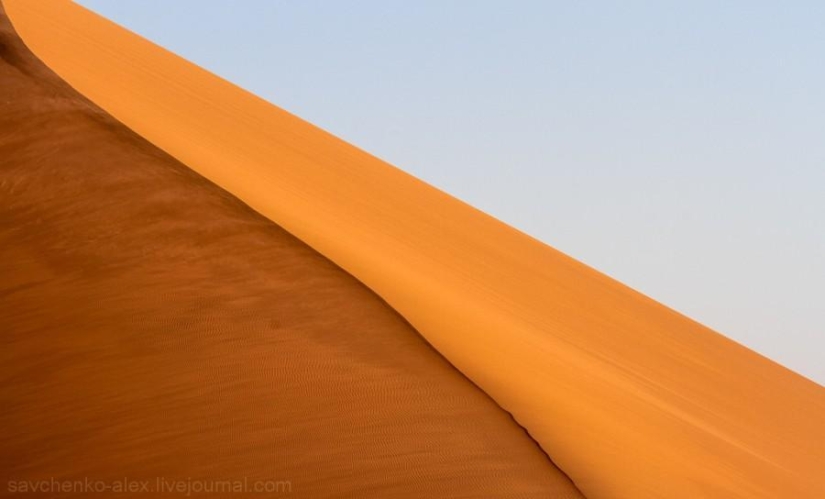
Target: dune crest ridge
<point>629,398</point>
<point>154,328</point>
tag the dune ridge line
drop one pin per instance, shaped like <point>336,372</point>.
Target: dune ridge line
<point>157,328</point>
<point>629,398</point>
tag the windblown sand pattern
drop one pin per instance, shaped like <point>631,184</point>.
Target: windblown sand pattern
<point>148,305</point>
<point>155,326</point>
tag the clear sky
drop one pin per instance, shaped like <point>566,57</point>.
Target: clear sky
<point>677,146</point>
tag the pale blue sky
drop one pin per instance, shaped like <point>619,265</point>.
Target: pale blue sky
<point>677,146</point>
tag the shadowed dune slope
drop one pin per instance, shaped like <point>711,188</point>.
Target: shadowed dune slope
<point>629,398</point>
<point>152,325</point>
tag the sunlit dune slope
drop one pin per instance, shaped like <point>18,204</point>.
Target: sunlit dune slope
<point>153,326</point>
<point>629,398</point>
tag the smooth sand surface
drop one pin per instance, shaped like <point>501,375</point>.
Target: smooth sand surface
<point>629,398</point>
<point>154,327</point>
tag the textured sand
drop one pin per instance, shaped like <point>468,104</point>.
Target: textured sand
<point>629,398</point>
<point>151,325</point>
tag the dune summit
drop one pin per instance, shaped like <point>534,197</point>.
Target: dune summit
<point>629,398</point>
<point>154,326</point>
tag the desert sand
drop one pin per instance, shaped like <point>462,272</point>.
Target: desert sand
<point>629,398</point>
<point>155,326</point>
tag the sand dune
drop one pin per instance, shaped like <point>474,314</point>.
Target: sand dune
<point>154,326</point>
<point>629,398</point>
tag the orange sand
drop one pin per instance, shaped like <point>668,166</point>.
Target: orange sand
<point>153,327</point>
<point>629,398</point>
